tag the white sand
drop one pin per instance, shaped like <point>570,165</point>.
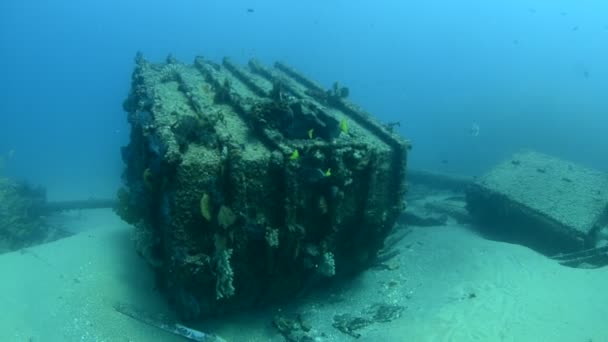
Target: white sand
<point>519,294</point>
<point>64,291</point>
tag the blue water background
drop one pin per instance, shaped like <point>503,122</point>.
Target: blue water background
<point>531,74</point>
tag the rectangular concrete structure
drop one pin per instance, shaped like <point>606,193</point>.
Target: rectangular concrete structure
<point>554,205</point>
<point>250,184</point>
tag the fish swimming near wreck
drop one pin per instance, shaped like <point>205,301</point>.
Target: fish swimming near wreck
<point>474,130</point>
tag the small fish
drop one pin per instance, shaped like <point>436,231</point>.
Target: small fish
<point>344,126</point>
<point>10,154</point>
<point>311,133</point>
<point>148,179</point>
<point>323,205</point>
<point>474,130</point>
<point>295,155</point>
<point>311,175</point>
<point>390,126</point>
<point>327,173</point>
<point>250,10</point>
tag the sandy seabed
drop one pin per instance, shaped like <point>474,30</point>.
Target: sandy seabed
<point>451,284</point>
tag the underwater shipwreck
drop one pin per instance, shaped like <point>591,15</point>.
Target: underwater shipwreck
<point>249,185</point>
<point>551,205</point>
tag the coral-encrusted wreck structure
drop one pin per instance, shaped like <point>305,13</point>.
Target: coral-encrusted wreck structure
<point>546,203</point>
<point>248,185</point>
<point>22,220</point>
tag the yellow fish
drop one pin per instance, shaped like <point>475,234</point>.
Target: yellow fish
<point>344,126</point>
<point>295,155</point>
<point>148,179</point>
<point>310,133</point>
<point>328,172</point>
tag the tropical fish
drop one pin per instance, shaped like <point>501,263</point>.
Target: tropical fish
<point>311,175</point>
<point>344,126</point>
<point>311,133</point>
<point>148,179</point>
<point>474,130</point>
<point>295,155</point>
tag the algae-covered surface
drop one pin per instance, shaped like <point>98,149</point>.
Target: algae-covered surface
<point>446,284</point>
<point>22,222</point>
<point>248,185</point>
<point>571,194</point>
